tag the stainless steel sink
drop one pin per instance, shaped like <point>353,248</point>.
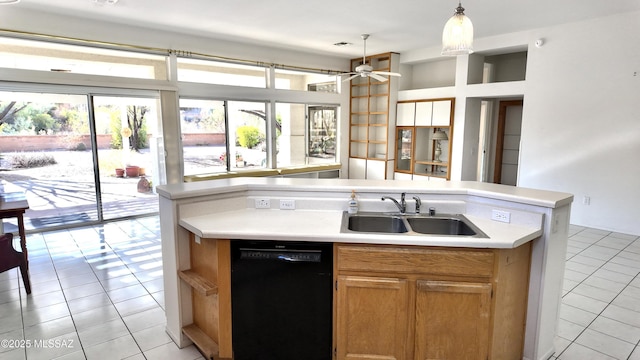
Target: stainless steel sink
<point>374,223</point>
<point>440,226</point>
<point>410,224</point>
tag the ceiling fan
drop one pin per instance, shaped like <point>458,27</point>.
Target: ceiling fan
<point>366,70</point>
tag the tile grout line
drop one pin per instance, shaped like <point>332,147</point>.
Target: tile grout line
<point>610,302</point>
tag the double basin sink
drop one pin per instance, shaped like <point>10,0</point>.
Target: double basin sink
<point>410,224</point>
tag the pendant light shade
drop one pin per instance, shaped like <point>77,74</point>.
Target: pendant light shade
<point>457,36</point>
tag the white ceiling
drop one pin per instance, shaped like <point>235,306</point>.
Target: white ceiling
<point>314,26</point>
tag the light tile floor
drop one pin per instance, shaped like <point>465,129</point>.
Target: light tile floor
<point>600,313</point>
<point>98,294</point>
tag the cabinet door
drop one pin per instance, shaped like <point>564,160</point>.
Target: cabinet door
<point>404,148</point>
<point>441,113</point>
<point>371,318</point>
<point>424,110</point>
<point>405,114</point>
<point>376,170</point>
<point>357,168</point>
<point>452,320</point>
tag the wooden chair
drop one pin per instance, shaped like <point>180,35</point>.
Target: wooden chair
<point>10,258</point>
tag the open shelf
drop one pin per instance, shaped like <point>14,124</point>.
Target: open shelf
<point>209,277</point>
<point>198,283</point>
<point>203,342</point>
<point>372,106</point>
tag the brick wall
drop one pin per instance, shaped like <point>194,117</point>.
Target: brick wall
<point>11,143</point>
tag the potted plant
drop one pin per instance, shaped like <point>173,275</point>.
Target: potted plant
<point>132,171</point>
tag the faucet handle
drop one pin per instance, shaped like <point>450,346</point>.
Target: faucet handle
<point>418,204</point>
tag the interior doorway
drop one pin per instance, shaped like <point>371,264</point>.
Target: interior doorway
<point>499,140</point>
<point>508,142</point>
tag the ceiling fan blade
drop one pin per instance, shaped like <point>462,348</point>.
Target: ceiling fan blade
<point>387,73</point>
<point>351,77</point>
<point>378,77</point>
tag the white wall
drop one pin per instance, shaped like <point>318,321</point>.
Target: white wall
<point>16,18</point>
<point>581,115</point>
<point>581,121</point>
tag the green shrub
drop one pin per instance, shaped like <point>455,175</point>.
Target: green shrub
<point>29,160</point>
<point>248,136</point>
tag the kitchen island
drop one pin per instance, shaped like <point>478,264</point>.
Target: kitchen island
<point>532,222</point>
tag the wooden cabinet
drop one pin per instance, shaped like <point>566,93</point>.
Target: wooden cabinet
<point>424,135</point>
<point>452,320</point>
<point>210,280</point>
<point>399,302</point>
<point>371,119</point>
<point>372,323</point>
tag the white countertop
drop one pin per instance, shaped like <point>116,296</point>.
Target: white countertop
<point>324,226</point>
<point>550,199</point>
<point>322,222</point>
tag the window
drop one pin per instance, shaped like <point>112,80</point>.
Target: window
<point>247,134</point>
<point>204,140</point>
<point>305,81</point>
<point>306,134</point>
<point>209,146</point>
<point>47,56</point>
<point>214,72</point>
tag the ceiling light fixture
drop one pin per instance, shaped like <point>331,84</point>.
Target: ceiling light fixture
<point>457,36</point>
<point>9,2</point>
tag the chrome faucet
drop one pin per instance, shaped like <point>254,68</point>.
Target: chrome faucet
<point>402,205</point>
<point>418,204</point>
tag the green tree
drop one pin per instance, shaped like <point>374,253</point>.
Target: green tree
<point>44,124</point>
<point>9,113</point>
<point>136,122</point>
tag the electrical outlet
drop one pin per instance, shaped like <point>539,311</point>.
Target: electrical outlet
<point>586,200</point>
<point>500,215</point>
<point>287,204</point>
<point>263,204</point>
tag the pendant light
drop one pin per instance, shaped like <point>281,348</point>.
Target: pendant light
<point>457,36</point>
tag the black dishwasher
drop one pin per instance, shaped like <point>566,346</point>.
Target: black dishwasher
<point>281,300</point>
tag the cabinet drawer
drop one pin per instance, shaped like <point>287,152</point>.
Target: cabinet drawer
<point>415,260</point>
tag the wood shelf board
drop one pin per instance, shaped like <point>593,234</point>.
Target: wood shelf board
<point>198,283</point>
<point>429,162</point>
<point>206,345</point>
<point>431,174</point>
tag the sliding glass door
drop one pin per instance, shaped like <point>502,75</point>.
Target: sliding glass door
<point>127,148</point>
<point>63,150</point>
